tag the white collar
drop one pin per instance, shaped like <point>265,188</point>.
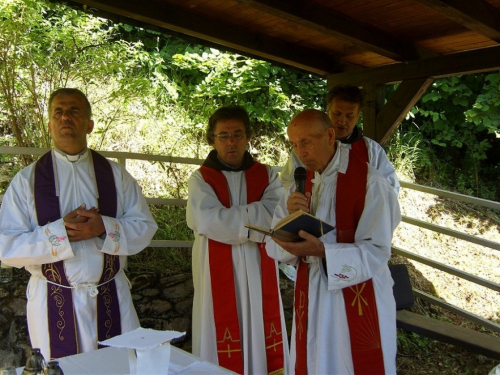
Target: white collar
<point>71,158</point>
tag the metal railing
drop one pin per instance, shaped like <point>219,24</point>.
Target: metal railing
<point>123,156</point>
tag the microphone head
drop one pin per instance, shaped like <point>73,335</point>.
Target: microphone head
<point>300,174</point>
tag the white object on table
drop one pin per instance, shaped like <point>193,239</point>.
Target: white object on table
<point>148,349</point>
<point>114,361</point>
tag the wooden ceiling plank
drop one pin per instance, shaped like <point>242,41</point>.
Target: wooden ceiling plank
<point>476,15</point>
<point>325,20</point>
<point>475,61</point>
<point>180,19</point>
<point>400,103</point>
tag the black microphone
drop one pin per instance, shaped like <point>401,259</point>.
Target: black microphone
<point>300,179</point>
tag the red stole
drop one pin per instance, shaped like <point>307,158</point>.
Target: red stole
<point>359,300</point>
<point>61,319</point>
<point>229,346</point>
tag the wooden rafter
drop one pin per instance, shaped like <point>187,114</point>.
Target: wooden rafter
<point>325,20</point>
<point>173,17</point>
<point>477,15</point>
<point>401,102</point>
<point>483,60</point>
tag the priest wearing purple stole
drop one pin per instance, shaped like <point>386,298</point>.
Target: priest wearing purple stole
<point>71,219</point>
<point>344,309</point>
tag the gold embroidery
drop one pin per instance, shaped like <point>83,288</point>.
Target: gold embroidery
<point>273,334</point>
<point>277,372</point>
<point>358,297</point>
<point>105,291</point>
<point>228,337</point>
<point>107,299</point>
<point>300,312</point>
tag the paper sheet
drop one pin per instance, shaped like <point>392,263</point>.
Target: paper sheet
<point>142,339</point>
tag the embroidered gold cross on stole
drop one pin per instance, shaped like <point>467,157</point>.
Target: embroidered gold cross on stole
<point>359,298</point>
<point>229,339</point>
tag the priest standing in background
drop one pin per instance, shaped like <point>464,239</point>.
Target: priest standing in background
<point>344,308</point>
<point>71,219</point>
<point>238,318</point>
<point>344,104</point>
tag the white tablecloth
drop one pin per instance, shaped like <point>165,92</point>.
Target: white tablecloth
<point>114,361</point>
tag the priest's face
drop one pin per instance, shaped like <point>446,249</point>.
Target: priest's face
<point>230,141</point>
<point>69,123</point>
<point>344,116</point>
<point>312,139</point>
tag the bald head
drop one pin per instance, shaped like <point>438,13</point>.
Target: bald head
<point>312,137</point>
<point>311,117</point>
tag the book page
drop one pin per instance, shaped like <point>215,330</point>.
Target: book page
<point>289,218</point>
<point>267,231</point>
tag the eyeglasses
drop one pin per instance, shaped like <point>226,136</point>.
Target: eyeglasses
<point>224,136</point>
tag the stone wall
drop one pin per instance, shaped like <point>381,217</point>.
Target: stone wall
<point>162,301</point>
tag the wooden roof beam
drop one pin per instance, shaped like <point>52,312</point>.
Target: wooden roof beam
<point>475,61</point>
<point>399,104</point>
<point>477,15</point>
<point>329,22</point>
<point>182,20</point>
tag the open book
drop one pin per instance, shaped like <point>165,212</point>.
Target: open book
<point>288,227</point>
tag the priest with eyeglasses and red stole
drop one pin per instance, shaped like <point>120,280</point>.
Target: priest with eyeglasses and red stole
<point>238,318</point>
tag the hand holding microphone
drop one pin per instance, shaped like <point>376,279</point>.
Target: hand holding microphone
<point>299,200</point>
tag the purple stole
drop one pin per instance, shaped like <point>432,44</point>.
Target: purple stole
<point>61,317</point>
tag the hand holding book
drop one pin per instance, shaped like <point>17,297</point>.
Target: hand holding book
<point>287,228</point>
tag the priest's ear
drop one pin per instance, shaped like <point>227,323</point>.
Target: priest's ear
<point>90,126</point>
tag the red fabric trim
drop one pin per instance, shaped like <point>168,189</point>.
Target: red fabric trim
<point>360,150</point>
<point>300,304</point>
<point>350,198</point>
<point>301,314</point>
<point>359,300</point>
<point>227,328</point>
<point>257,180</point>
<point>223,290</point>
<point>364,329</point>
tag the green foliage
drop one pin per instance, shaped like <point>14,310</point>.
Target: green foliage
<point>408,342</point>
<point>150,94</point>
<point>405,151</point>
<point>45,46</point>
<point>457,125</point>
<point>171,226</point>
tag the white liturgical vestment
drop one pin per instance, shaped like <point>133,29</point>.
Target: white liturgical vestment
<point>348,264</point>
<point>209,218</point>
<point>23,243</point>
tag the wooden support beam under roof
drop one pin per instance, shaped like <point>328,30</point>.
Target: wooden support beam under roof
<point>401,102</point>
<point>475,15</point>
<point>484,60</point>
<point>178,19</point>
<point>329,22</point>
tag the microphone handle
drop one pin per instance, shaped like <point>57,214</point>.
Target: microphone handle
<point>300,186</point>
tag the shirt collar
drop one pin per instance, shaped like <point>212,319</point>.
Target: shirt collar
<point>71,158</point>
